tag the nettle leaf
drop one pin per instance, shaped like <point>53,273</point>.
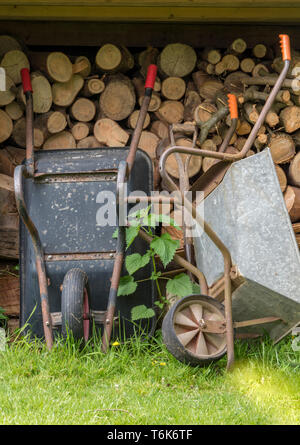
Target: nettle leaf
<point>136,261</point>
<point>155,275</point>
<point>141,213</point>
<point>165,247</point>
<point>116,233</point>
<point>131,234</point>
<point>153,219</point>
<point>180,285</point>
<point>139,312</point>
<point>127,285</point>
<point>196,288</point>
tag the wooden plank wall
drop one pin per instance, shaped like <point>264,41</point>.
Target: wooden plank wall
<point>153,10</point>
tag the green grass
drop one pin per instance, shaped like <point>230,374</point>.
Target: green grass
<point>140,383</point>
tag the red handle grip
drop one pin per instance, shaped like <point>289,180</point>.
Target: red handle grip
<point>26,82</point>
<point>285,46</point>
<point>233,107</point>
<point>151,76</point>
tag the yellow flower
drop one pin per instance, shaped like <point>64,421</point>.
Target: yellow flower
<point>162,364</point>
<point>116,343</point>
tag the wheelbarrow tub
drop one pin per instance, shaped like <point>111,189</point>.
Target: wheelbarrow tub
<point>247,211</point>
<point>63,205</point>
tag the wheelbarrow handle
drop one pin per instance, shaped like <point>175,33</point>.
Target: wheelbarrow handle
<point>27,88</point>
<point>26,81</point>
<point>151,76</point>
<point>234,114</point>
<point>285,46</point>
<point>149,84</point>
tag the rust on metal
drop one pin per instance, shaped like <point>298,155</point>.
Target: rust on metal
<point>79,256</point>
<point>45,178</point>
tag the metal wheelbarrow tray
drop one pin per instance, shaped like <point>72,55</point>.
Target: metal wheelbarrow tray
<point>248,212</point>
<point>62,201</point>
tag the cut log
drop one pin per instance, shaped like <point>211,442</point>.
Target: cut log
<point>208,68</point>
<point>6,126</point>
<point>173,88</point>
<point>118,99</point>
<point>160,128</point>
<point>238,46</point>
<point>81,130</point>
<point>259,51</point>
<point>251,112</point>
<point>61,140</point>
<point>9,293</point>
<point>8,43</point>
<point>88,142</point>
<point>56,65</point>
<point>146,58</point>
<point>177,60</point>
<point>281,178</point>
<point>13,61</point>
<point>292,202</point>
<point>290,117</point>
<point>247,65</point>
<point>171,111</point>
<point>9,221</point>
<point>111,58</point>
<point>109,133</point>
<point>199,78</point>
<point>83,110</point>
<point>155,101</point>
<point>148,143</point>
<point>282,148</point>
<point>19,134</point>
<point>261,141</point>
<point>194,164</point>
<point>14,110</point>
<point>204,113</point>
<point>191,102</point>
<point>211,55</point>
<point>42,93</point>
<point>6,182</point>
<point>56,121</point>
<point>294,171</point>
<point>82,66</point>
<point>8,96</point>
<point>64,93</point>
<point>243,128</point>
<point>228,63</point>
<point>132,120</point>
<point>10,157</point>
<point>210,89</point>
<point>92,87</point>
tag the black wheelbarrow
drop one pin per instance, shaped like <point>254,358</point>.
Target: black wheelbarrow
<point>67,255</point>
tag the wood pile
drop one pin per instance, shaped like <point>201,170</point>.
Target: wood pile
<point>86,102</point>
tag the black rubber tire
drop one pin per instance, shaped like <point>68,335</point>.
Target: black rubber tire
<point>72,303</point>
<point>174,346</point>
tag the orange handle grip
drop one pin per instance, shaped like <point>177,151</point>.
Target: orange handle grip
<point>233,106</point>
<point>285,46</point>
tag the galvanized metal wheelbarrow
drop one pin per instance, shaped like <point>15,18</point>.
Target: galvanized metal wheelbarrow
<point>245,248</point>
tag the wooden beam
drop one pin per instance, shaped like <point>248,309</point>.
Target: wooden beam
<point>265,11</point>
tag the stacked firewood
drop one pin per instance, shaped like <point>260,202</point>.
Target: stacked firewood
<point>86,102</point>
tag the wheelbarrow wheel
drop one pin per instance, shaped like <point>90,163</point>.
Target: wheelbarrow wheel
<point>75,305</point>
<point>182,332</point>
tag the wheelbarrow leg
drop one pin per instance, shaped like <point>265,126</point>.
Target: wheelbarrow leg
<point>39,254</point>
